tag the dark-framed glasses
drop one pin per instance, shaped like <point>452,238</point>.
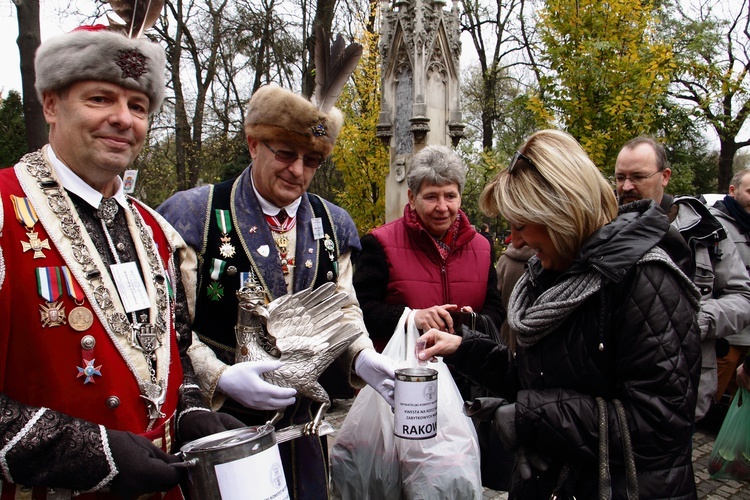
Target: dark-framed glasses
<point>289,157</point>
<point>635,179</point>
<point>520,157</point>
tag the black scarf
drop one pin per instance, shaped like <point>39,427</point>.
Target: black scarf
<point>740,215</point>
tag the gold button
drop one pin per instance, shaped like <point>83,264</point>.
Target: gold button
<point>113,402</point>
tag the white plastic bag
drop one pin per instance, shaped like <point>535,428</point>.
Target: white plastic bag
<point>364,463</point>
<point>368,462</point>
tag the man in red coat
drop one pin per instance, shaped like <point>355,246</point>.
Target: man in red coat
<point>96,388</point>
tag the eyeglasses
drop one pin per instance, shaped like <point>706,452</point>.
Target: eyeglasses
<point>289,157</point>
<point>520,157</point>
<point>636,179</point>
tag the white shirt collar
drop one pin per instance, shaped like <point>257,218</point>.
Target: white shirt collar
<point>271,209</point>
<point>75,184</point>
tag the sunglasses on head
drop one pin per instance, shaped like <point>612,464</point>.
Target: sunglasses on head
<point>520,157</point>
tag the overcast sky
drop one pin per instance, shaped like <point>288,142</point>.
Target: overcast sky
<point>51,24</point>
<point>54,23</point>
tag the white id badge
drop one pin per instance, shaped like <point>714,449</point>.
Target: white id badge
<point>130,286</point>
<point>317,227</point>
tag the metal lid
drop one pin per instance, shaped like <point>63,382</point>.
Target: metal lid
<point>228,439</point>
<point>416,374</point>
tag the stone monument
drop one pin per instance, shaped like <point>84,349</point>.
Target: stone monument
<point>420,49</point>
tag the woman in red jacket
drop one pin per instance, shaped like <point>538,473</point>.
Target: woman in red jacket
<point>434,263</point>
<point>431,260</point>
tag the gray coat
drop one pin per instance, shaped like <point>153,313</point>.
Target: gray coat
<point>720,275</point>
<point>742,242</point>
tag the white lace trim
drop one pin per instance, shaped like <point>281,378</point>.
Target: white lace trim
<point>21,434</point>
<point>110,461</point>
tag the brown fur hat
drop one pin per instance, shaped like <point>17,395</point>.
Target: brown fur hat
<point>95,53</point>
<point>277,114</point>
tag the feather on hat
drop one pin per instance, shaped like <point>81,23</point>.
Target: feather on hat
<point>275,113</point>
<point>115,54</point>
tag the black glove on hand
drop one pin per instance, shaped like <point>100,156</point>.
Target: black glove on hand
<point>528,460</point>
<point>143,468</point>
<point>505,425</point>
<point>199,423</point>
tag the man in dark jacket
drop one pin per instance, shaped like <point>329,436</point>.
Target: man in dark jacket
<point>266,222</point>
<point>642,171</point>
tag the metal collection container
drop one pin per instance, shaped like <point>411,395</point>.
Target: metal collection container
<point>236,464</point>
<point>415,410</point>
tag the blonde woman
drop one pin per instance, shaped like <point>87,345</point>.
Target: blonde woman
<point>605,323</point>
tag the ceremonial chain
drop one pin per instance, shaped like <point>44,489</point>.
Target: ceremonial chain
<point>106,217</point>
<point>143,337</point>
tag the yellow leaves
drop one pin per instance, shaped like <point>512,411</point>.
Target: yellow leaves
<point>609,72</point>
<point>359,156</point>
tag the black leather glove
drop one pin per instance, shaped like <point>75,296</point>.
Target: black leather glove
<point>483,409</point>
<point>199,423</point>
<point>505,425</point>
<point>528,461</point>
<point>142,467</point>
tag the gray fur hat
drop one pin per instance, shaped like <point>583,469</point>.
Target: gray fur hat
<point>275,113</point>
<point>95,53</point>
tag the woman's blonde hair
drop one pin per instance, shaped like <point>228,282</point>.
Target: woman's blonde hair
<point>562,189</point>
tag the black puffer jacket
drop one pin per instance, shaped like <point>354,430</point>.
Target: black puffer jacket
<point>645,316</point>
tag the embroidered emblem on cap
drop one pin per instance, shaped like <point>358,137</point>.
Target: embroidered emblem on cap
<point>319,130</point>
<point>132,63</point>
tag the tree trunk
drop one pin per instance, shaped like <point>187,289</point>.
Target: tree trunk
<point>728,148</point>
<point>489,84</point>
<point>182,124</point>
<point>28,41</point>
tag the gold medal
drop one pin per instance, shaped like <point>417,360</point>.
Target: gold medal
<point>80,319</point>
<point>26,215</point>
<point>36,245</point>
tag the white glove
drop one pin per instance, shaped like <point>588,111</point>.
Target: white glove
<point>243,383</point>
<point>377,371</point>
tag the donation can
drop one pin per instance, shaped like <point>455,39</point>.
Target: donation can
<point>237,464</point>
<point>415,410</point>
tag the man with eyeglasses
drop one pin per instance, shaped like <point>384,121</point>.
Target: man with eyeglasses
<point>266,222</point>
<point>641,172</point>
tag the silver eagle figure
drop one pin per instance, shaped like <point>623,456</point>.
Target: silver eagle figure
<point>303,330</point>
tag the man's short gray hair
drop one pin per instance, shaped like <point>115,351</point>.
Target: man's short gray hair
<point>436,166</point>
<point>737,178</point>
